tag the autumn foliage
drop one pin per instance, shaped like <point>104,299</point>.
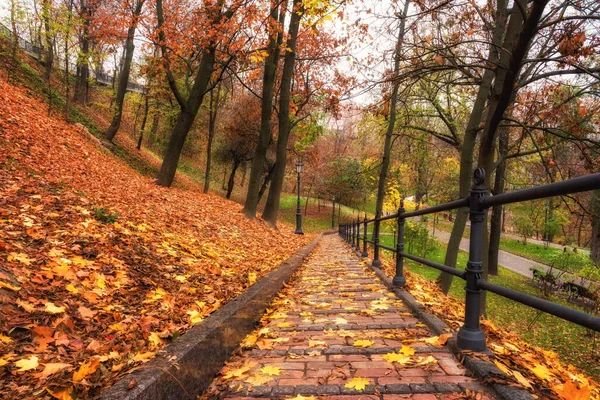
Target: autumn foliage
<point>100,268</point>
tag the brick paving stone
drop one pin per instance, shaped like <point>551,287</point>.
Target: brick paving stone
<point>305,345</point>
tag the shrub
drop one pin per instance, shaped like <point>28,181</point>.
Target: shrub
<point>105,216</point>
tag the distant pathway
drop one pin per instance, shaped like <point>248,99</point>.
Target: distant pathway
<point>333,333</point>
<point>513,262</point>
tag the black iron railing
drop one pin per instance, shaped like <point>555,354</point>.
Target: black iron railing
<point>470,336</point>
<point>36,52</point>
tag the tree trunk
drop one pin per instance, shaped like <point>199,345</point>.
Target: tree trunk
<point>269,76</point>
<point>519,33</point>
<point>144,119</point>
<point>185,120</point>
<point>236,164</point>
<point>387,146</point>
<point>212,123</point>
<point>124,75</point>
<point>272,207</point>
<point>496,219</point>
<point>49,61</point>
<point>83,67</point>
<point>468,147</point>
<point>266,181</point>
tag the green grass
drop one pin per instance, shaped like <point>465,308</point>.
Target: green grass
<point>574,344</point>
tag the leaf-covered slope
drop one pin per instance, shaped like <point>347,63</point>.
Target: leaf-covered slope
<point>99,267</point>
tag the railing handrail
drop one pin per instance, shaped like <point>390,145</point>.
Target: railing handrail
<point>470,336</point>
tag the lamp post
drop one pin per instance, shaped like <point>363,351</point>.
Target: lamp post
<point>298,230</point>
<point>332,212</point>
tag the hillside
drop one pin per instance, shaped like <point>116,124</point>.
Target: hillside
<point>100,267</point>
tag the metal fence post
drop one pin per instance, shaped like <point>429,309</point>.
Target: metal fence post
<point>354,234</point>
<point>399,279</point>
<point>364,252</point>
<point>357,247</point>
<point>470,336</point>
<point>376,261</point>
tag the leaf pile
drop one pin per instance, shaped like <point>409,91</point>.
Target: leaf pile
<point>99,267</point>
<point>535,369</point>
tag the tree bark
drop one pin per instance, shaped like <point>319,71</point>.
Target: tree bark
<point>272,207</point>
<point>231,182</point>
<point>266,181</point>
<point>387,146</point>
<point>49,61</point>
<point>496,219</point>
<point>264,139</point>
<point>144,120</point>
<point>124,75</point>
<point>189,107</point>
<point>212,124</point>
<point>468,147</point>
<point>83,67</point>
<point>185,120</point>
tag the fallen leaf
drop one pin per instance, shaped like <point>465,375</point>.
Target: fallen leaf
<point>357,383</point>
<point>53,309</point>
<point>61,394</point>
<point>86,369</point>
<point>52,368</point>
<point>363,343</point>
<point>86,313</point>
<point>258,380</point>
<point>271,370</point>
<point>27,364</point>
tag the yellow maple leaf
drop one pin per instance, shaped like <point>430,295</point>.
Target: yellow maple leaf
<point>236,373</point>
<point>72,289</point>
<point>258,380</point>
<point>438,340</point>
<point>155,339</point>
<point>20,257</point>
<point>271,370</point>
<point>357,383</point>
<point>300,397</point>
<point>541,372</point>
<point>407,350</point>
<point>51,308</point>
<point>285,325</point>
<point>363,343</point>
<point>340,321</point>
<point>195,317</point>
<point>251,278</point>
<point>426,360</point>
<point>27,364</point>
<point>396,358</point>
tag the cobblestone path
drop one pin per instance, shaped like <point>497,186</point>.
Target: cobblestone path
<point>337,333</point>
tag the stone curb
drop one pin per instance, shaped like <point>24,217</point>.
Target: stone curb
<point>186,367</point>
<point>484,371</point>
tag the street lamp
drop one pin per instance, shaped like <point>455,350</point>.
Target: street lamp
<point>332,212</point>
<point>298,230</point>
